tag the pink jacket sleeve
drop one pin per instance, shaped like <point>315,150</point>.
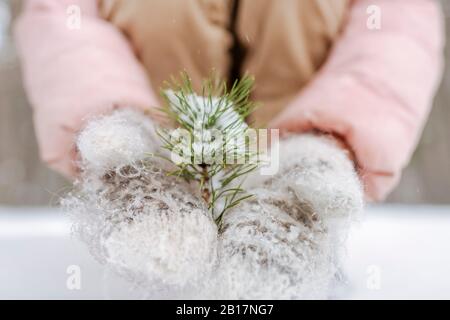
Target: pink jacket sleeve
<point>71,74</point>
<point>377,87</point>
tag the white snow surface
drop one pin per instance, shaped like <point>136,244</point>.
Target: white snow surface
<point>395,252</point>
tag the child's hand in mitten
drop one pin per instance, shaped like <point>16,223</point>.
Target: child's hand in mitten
<point>143,223</point>
<point>321,174</point>
<point>283,242</point>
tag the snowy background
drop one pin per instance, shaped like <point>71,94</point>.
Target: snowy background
<point>396,252</point>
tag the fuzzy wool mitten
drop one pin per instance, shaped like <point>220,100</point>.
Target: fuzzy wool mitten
<point>146,225</point>
<point>284,243</point>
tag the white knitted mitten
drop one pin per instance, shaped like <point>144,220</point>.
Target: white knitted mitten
<point>283,243</point>
<point>146,225</point>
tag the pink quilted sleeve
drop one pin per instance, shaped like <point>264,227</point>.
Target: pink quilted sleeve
<point>75,66</point>
<point>377,87</point>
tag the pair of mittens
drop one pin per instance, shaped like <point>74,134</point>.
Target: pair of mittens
<point>156,230</point>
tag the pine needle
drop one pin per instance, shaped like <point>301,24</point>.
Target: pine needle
<point>214,109</point>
